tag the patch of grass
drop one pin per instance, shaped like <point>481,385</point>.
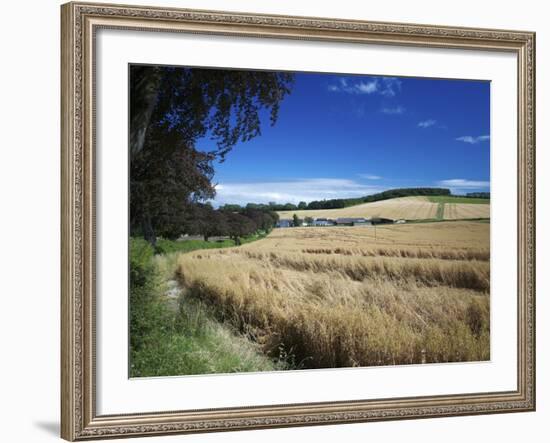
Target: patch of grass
<point>440,210</point>
<point>165,246</point>
<point>187,341</point>
<point>456,199</point>
<point>197,344</point>
<point>253,237</point>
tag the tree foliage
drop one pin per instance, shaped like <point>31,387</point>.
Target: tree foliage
<point>171,108</point>
<point>385,195</point>
<point>165,183</point>
<point>478,194</point>
<point>337,203</point>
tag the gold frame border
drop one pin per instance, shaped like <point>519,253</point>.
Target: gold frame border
<point>79,21</point>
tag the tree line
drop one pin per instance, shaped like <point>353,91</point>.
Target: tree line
<point>338,203</point>
<point>478,194</point>
<point>202,219</point>
<point>208,222</point>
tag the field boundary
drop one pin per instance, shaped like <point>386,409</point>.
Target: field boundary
<point>440,211</point>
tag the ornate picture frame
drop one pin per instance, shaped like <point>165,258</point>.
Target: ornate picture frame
<point>80,22</point>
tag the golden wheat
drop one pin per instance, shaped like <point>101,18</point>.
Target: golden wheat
<point>411,208</point>
<point>334,297</point>
<point>453,211</point>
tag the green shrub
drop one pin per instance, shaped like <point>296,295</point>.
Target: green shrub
<point>148,314</point>
<point>166,341</point>
<point>165,246</point>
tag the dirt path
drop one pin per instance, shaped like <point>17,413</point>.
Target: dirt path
<point>173,294</point>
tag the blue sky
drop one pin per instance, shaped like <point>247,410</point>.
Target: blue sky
<point>343,136</point>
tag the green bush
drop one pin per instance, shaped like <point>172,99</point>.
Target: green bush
<point>166,341</point>
<point>165,246</point>
<point>148,314</point>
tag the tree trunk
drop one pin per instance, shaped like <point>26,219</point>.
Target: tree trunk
<point>148,231</point>
<point>144,94</point>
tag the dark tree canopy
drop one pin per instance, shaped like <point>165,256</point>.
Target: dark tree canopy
<point>202,219</point>
<point>385,195</point>
<point>195,101</point>
<point>165,183</point>
<point>170,109</point>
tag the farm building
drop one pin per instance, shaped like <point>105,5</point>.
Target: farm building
<point>284,223</point>
<point>362,223</point>
<point>382,221</point>
<point>352,221</point>
<point>323,222</point>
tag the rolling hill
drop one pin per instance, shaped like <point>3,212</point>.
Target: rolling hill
<point>409,208</point>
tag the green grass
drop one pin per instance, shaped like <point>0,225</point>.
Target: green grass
<point>165,246</point>
<point>187,340</point>
<point>440,211</point>
<point>253,237</point>
<point>197,344</point>
<point>455,199</point>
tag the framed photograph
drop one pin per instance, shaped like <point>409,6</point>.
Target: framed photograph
<point>283,221</point>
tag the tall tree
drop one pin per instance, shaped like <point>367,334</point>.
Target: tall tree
<point>165,183</point>
<point>204,220</point>
<point>170,109</point>
<point>239,226</point>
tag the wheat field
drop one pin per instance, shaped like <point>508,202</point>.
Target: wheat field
<point>410,208</point>
<point>455,211</point>
<point>345,296</point>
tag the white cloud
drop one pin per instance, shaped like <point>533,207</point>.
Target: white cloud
<point>459,185</point>
<point>394,110</point>
<point>367,88</point>
<point>391,85</point>
<point>386,86</point>
<point>473,140</point>
<point>291,191</point>
<point>370,176</point>
<point>426,123</point>
<point>354,86</point>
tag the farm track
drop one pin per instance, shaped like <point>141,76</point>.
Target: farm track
<point>440,211</point>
